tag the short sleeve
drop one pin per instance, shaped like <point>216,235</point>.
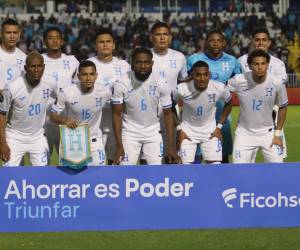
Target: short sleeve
<point>5,101</point>
<point>118,92</point>
<point>60,104</point>
<point>183,72</point>
<point>165,96</point>
<point>282,98</point>
<point>231,86</point>
<point>237,67</point>
<point>226,95</point>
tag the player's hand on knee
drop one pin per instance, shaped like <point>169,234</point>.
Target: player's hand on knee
<point>217,133</point>
<point>172,157</point>
<point>180,136</point>
<point>119,154</point>
<point>4,152</point>
<point>277,141</point>
<point>71,123</point>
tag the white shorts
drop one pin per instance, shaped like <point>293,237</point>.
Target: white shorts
<point>245,147</point>
<point>36,147</point>
<point>109,144</point>
<point>152,150</point>
<point>211,150</point>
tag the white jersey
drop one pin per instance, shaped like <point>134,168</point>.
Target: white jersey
<point>86,108</point>
<point>276,67</point>
<point>27,105</point>
<point>62,70</point>
<point>171,66</point>
<point>11,65</point>
<point>142,101</point>
<point>108,73</point>
<point>199,108</point>
<point>257,101</point>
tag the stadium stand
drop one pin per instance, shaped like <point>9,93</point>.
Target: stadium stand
<point>236,18</point>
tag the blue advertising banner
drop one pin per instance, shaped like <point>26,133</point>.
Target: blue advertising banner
<point>149,197</point>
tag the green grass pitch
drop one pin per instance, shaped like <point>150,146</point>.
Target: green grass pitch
<point>285,238</point>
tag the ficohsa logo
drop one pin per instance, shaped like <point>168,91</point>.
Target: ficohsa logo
<point>229,195</point>
<point>253,200</point>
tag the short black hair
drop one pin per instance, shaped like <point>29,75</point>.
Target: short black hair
<point>199,64</point>
<point>85,64</point>
<point>9,21</point>
<point>159,25</point>
<point>141,50</point>
<point>105,31</point>
<point>52,28</point>
<point>257,53</point>
<point>261,30</point>
<point>33,54</point>
<point>215,31</point>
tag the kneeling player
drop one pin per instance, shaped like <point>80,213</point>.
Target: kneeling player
<point>199,97</point>
<point>258,92</point>
<point>83,103</point>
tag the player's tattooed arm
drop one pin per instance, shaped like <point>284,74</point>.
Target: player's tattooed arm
<point>117,110</point>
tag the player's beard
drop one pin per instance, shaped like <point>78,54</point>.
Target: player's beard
<point>142,77</point>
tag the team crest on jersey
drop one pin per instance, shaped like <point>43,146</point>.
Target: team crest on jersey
<point>46,93</point>
<point>98,101</point>
<point>173,64</point>
<point>66,64</point>
<point>225,66</point>
<point>211,97</point>
<point>152,90</point>
<point>269,91</point>
<point>118,71</point>
<point>19,63</point>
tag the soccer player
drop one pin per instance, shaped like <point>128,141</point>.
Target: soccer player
<point>62,68</point>
<point>27,97</point>
<point>136,100</point>
<point>261,40</point>
<point>169,63</point>
<point>199,97</point>
<point>110,69</point>
<point>12,59</point>
<point>258,91</point>
<point>222,67</point>
<point>83,104</point>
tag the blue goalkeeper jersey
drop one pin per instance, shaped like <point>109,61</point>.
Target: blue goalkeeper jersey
<point>221,69</point>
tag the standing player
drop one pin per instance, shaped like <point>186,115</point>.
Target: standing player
<point>62,69</point>
<point>12,59</point>
<point>109,70</point>
<point>261,40</point>
<point>83,103</point>
<point>136,101</point>
<point>258,91</point>
<point>168,63</point>
<point>222,67</point>
<point>199,97</point>
<point>27,97</point>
